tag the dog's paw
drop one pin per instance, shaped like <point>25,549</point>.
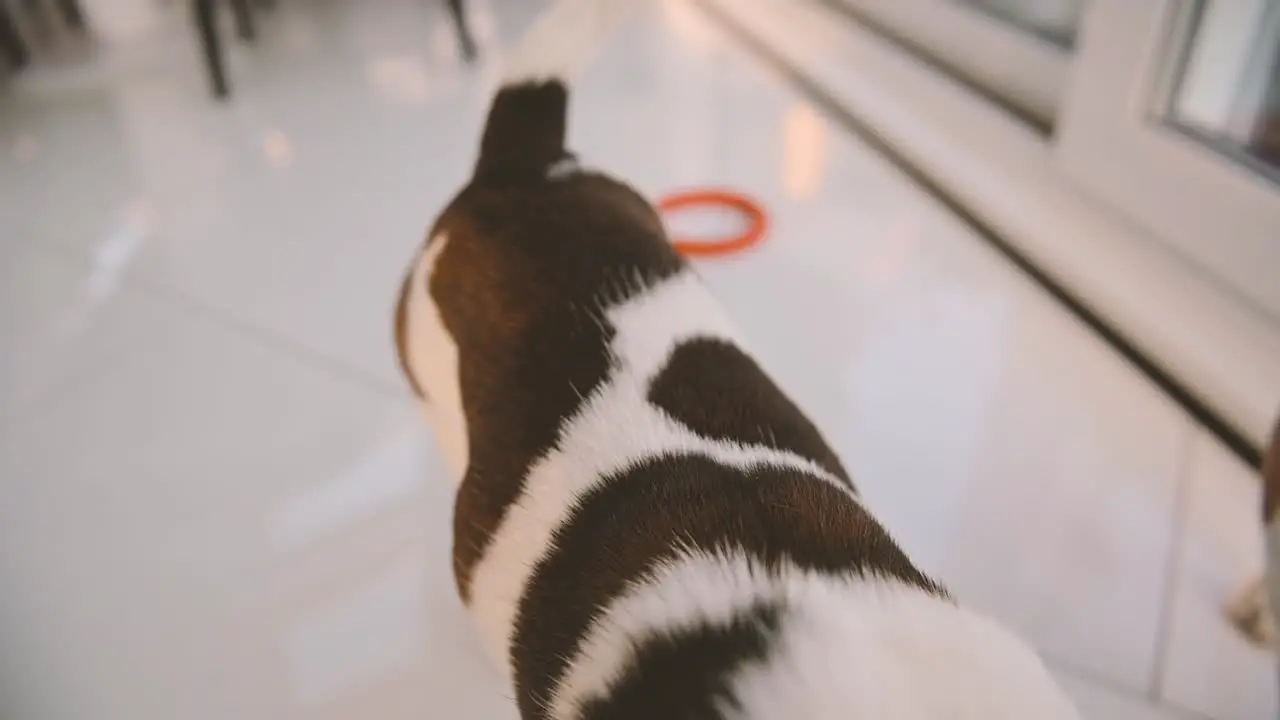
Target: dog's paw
<point>1251,613</point>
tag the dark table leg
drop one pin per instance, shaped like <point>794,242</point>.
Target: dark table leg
<point>37,19</point>
<point>72,13</point>
<point>11,42</point>
<point>244,19</point>
<point>465,40</point>
<point>206,18</point>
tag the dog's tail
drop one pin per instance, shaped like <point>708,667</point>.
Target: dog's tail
<point>525,132</point>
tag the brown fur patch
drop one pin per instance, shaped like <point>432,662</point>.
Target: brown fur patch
<point>522,288</point>
<point>717,390</point>
<point>636,520</point>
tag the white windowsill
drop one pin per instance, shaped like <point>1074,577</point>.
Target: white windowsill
<point>1224,352</point>
<point>1028,72</point>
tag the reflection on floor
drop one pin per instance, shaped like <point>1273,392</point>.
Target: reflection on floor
<point>219,501</point>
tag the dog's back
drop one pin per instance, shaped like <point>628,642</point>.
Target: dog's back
<point>646,526</point>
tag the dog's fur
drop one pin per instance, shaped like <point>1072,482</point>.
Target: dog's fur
<point>646,526</point>
<point>1254,610</point>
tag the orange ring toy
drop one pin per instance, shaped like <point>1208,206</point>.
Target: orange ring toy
<point>757,221</point>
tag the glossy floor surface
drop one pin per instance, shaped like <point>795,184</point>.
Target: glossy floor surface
<point>219,502</point>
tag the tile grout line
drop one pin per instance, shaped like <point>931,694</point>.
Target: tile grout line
<point>1173,562</point>
<point>1092,677</point>
<point>172,296</point>
<point>270,339</point>
<point>50,399</point>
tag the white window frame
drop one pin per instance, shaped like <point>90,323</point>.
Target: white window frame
<point>1221,214</point>
<point>1021,68</point>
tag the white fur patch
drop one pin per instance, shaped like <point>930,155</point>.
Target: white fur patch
<point>563,168</point>
<point>615,429</point>
<point>562,39</point>
<point>879,649</point>
<point>847,647</point>
<point>433,361</point>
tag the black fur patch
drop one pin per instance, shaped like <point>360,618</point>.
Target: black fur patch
<point>684,676</point>
<point>634,521</point>
<point>524,133</point>
<point>520,287</point>
<point>716,390</point>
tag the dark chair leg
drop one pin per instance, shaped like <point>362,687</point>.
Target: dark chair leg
<point>243,13</point>
<point>37,20</point>
<point>465,40</point>
<point>11,42</point>
<point>72,13</point>
<point>206,18</point>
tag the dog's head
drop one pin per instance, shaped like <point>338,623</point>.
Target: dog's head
<point>506,229</point>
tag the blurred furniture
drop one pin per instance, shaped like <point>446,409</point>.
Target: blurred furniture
<point>205,14</point>
<point>15,15</point>
<point>13,45</point>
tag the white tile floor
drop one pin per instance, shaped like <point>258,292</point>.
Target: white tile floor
<point>218,501</point>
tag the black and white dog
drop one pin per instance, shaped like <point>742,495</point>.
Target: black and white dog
<point>645,525</point>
